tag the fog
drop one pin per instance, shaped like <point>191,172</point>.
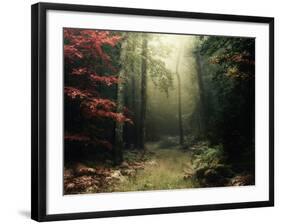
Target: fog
<point>162,108</point>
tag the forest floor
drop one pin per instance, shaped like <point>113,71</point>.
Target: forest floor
<point>160,167</point>
<point>165,169</point>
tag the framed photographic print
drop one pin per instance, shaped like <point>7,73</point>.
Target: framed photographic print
<point>139,111</point>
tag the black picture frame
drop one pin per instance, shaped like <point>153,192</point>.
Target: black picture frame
<point>39,122</point>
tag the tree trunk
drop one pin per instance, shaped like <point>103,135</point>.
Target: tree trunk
<point>127,128</point>
<point>179,99</point>
<point>134,109</point>
<point>130,131</point>
<point>143,92</point>
<point>118,147</point>
<point>202,114</point>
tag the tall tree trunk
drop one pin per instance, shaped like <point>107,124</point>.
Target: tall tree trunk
<point>130,131</point>
<point>202,114</point>
<point>134,108</point>
<point>179,98</point>
<point>127,128</point>
<point>143,92</point>
<point>138,112</point>
<point>118,147</point>
<point>134,98</point>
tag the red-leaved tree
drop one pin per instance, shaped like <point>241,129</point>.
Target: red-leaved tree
<point>89,71</point>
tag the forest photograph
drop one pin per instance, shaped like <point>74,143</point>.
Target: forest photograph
<point>157,111</point>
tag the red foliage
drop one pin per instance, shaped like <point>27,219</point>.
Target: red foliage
<point>84,42</point>
<point>104,108</point>
<point>79,71</point>
<point>108,80</point>
<point>76,137</point>
<point>71,52</point>
<point>101,104</point>
<point>75,93</point>
<point>80,137</point>
<point>84,53</point>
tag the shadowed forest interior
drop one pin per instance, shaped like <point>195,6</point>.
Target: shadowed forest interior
<point>155,111</point>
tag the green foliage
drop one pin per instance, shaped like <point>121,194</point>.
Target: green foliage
<point>235,55</point>
<point>209,157</point>
<point>131,156</point>
<point>160,75</point>
<point>229,81</point>
<point>210,166</point>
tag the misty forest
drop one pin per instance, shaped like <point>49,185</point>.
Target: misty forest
<point>153,111</point>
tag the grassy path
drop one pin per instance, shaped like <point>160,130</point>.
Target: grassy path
<point>163,170</point>
<point>160,168</point>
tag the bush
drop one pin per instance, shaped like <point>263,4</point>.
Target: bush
<point>210,168</point>
<point>208,157</point>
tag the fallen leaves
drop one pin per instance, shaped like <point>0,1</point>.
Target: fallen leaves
<point>83,179</point>
<point>242,180</point>
<point>81,169</point>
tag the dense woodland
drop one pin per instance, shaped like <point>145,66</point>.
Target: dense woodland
<point>145,111</point>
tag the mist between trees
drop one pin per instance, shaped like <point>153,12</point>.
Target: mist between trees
<point>138,105</point>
